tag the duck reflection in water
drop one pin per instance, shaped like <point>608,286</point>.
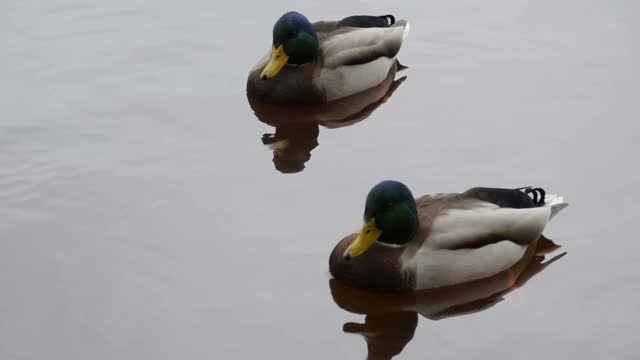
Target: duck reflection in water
<point>297,127</point>
<point>391,319</point>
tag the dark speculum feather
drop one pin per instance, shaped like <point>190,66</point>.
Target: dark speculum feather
<point>509,198</point>
<point>368,21</point>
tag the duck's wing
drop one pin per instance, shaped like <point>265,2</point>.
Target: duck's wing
<point>325,28</point>
<point>480,233</point>
<point>484,216</point>
<point>349,45</point>
<point>354,59</point>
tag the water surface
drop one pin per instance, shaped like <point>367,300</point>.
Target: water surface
<point>142,216</point>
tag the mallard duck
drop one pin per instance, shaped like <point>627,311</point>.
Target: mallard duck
<point>326,60</point>
<point>440,240</point>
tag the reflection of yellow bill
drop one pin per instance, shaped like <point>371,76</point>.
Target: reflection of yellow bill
<point>278,60</point>
<point>368,235</point>
<point>279,146</point>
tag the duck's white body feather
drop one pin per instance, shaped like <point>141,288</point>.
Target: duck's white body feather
<point>476,241</point>
<point>442,267</point>
<point>356,59</point>
<point>352,79</point>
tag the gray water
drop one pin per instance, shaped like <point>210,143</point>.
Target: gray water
<point>141,216</point>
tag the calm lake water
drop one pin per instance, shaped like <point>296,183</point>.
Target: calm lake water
<point>143,217</point>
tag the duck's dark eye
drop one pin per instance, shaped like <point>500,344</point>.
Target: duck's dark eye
<point>293,33</point>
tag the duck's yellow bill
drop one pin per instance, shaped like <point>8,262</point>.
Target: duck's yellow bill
<point>278,60</point>
<point>368,235</point>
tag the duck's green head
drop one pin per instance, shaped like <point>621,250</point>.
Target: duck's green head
<point>390,217</point>
<point>294,42</point>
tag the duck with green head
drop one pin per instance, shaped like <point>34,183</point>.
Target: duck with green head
<point>326,60</point>
<point>440,240</point>
<point>294,42</point>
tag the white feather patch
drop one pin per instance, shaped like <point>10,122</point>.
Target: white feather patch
<point>351,79</point>
<point>438,268</point>
<point>556,203</point>
<point>405,32</point>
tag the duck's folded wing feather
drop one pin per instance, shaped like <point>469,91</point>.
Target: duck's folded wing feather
<point>323,28</point>
<point>471,238</point>
<point>473,224</point>
<point>353,46</point>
